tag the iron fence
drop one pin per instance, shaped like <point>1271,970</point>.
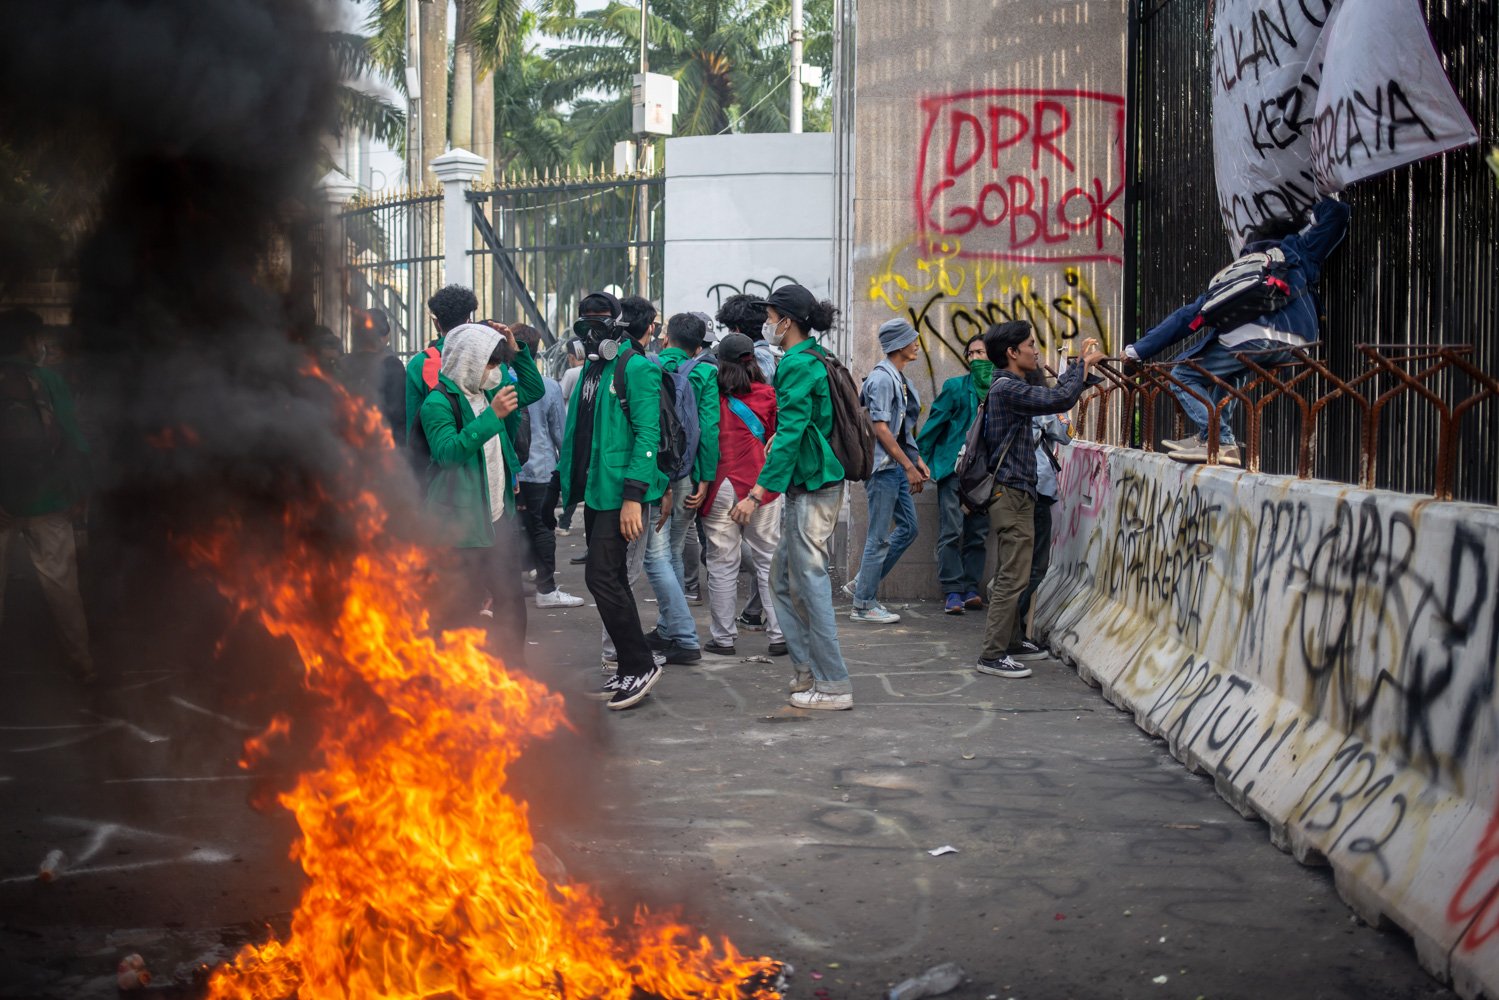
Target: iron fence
<point>1414,282</point>
<point>541,244</point>
<point>393,261</point>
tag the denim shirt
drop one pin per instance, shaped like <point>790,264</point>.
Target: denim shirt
<point>891,399</point>
<point>1048,428</point>
<point>548,421</point>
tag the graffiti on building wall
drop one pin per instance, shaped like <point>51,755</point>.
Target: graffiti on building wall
<point>950,299</point>
<point>749,286</point>
<point>1039,174</point>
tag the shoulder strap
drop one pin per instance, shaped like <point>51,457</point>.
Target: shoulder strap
<point>431,367</point>
<point>743,412</point>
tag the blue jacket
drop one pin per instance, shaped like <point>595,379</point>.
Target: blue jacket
<point>1305,252</point>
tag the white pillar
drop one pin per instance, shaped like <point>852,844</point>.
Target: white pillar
<point>457,169</point>
<point>794,115</point>
<point>337,190</point>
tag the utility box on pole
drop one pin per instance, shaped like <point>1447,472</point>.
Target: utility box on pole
<point>653,103</point>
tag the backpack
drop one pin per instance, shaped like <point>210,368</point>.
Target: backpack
<point>1250,287</point>
<point>677,412</point>
<point>421,448</point>
<point>30,436</point>
<point>853,434</point>
<point>974,470</point>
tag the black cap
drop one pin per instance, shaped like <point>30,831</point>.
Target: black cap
<point>791,300</point>
<point>735,347</point>
<point>600,302</point>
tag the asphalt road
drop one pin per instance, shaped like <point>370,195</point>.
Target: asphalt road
<point>1088,862</point>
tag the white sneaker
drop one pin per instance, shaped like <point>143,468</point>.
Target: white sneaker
<point>558,598</point>
<point>877,615</point>
<point>529,576</point>
<point>800,681</point>
<point>1181,444</point>
<point>823,700</point>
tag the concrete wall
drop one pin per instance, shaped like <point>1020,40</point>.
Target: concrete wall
<point>1327,654</point>
<point>988,185</point>
<point>745,213</point>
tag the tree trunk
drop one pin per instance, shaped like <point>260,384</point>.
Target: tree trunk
<point>461,129</point>
<point>434,20</point>
<point>484,122</point>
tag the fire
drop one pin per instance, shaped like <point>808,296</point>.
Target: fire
<point>421,877</point>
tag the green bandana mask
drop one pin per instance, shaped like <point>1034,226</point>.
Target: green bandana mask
<point>982,371</point>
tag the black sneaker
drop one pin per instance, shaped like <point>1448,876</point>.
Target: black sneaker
<point>633,688</point>
<point>694,596</point>
<point>721,649</point>
<point>578,560</point>
<point>678,653</point>
<point>778,649</point>
<point>606,691</point>
<point>657,641</point>
<point>754,622</point>
<point>1026,650</point>
<point>1002,667</point>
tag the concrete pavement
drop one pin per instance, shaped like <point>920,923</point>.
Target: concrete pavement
<point>1089,863</point>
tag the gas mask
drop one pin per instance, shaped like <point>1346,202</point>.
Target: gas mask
<point>598,336</point>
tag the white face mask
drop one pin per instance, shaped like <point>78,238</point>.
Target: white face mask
<point>772,333</point>
<point>492,378</point>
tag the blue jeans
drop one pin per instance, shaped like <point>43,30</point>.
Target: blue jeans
<point>889,494</point>
<point>676,617</point>
<point>802,590</point>
<point>1220,361</point>
<point>682,520</point>
<point>961,541</point>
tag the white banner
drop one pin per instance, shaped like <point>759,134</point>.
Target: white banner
<point>1311,95</point>
<point>1382,106</point>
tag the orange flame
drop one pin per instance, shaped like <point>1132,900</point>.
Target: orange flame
<point>421,876</point>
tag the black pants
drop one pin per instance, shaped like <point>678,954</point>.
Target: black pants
<point>1040,560</point>
<point>538,503</point>
<point>607,575</point>
<point>492,572</point>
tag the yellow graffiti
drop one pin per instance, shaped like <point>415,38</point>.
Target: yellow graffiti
<point>916,276</point>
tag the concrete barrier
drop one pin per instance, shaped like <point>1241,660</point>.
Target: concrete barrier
<point>1327,654</point>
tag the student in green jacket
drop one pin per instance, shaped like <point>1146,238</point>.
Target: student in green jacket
<point>686,334</point>
<point>961,538</point>
<point>450,307</point>
<point>469,421</point>
<point>800,464</point>
<point>609,461</point>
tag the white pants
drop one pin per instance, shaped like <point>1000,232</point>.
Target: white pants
<point>50,543</point>
<point>760,536</point>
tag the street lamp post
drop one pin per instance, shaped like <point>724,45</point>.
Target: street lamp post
<point>643,193</point>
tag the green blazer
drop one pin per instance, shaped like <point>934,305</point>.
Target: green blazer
<point>622,459</point>
<point>458,491</point>
<point>800,454</point>
<point>947,423</point>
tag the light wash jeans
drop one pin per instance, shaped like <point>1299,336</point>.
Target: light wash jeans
<point>760,537</point>
<point>1221,362</point>
<point>803,591</point>
<point>889,494</point>
<point>676,617</point>
<point>682,521</point>
<point>960,543</point>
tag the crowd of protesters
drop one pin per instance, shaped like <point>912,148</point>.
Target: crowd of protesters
<point>694,447</point>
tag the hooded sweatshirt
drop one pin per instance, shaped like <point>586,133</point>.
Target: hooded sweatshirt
<point>465,356</point>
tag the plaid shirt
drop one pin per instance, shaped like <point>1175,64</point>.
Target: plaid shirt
<point>1007,421</point>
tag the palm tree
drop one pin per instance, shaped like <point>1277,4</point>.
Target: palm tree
<point>359,108</point>
<point>730,59</point>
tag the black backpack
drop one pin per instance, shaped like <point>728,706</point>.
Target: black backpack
<point>674,449</point>
<point>421,448</point>
<point>1252,286</point>
<point>853,434</point>
<point>30,436</point>
<point>974,470</point>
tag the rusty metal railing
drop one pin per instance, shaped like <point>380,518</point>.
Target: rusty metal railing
<point>1122,409</point>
